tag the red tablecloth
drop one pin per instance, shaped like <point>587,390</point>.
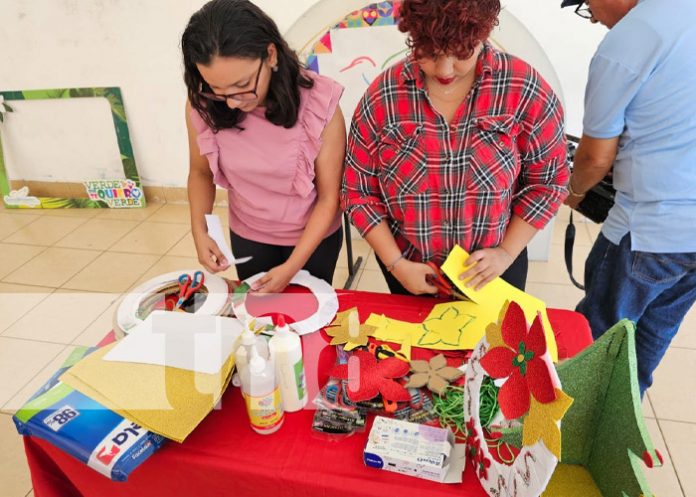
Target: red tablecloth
<point>224,457</point>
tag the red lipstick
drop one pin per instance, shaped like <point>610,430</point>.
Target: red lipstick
<point>446,81</point>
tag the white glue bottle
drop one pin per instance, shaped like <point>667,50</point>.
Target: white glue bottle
<point>286,352</point>
<point>262,395</point>
<point>248,341</point>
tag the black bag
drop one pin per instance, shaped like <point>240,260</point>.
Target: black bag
<point>595,206</point>
<point>600,199</point>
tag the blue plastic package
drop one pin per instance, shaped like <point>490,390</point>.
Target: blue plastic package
<point>83,428</point>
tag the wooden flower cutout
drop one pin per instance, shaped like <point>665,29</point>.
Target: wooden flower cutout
<point>367,377</point>
<point>342,316</point>
<point>436,374</point>
<point>349,331</point>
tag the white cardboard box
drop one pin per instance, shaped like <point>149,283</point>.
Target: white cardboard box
<point>409,448</point>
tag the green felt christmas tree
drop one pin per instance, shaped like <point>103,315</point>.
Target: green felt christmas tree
<point>603,433</point>
<point>604,430</point>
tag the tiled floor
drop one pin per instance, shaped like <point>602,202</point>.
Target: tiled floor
<point>62,271</point>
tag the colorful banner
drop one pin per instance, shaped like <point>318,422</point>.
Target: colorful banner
<point>117,194</point>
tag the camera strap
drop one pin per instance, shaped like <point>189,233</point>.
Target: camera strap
<point>569,242</point>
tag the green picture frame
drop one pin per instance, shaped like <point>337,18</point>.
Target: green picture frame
<point>118,193</point>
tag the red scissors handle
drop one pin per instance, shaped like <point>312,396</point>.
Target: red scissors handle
<point>444,286</point>
<point>438,280</point>
<point>188,286</point>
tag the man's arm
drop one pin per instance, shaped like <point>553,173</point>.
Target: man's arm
<point>593,160</point>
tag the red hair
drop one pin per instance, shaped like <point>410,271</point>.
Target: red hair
<point>452,27</point>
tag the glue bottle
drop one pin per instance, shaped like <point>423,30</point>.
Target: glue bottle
<point>250,340</point>
<point>286,352</point>
<point>262,395</point>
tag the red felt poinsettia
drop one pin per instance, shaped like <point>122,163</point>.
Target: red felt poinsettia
<point>472,441</point>
<point>476,455</point>
<point>481,465</point>
<point>369,377</point>
<point>520,361</point>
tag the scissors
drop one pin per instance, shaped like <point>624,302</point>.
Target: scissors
<point>443,285</point>
<point>188,287</point>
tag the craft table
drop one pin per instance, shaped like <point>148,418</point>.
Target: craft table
<point>224,457</point>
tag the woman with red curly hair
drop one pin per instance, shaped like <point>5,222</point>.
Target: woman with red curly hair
<point>458,143</point>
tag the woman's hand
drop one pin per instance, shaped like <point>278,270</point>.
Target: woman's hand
<point>413,277</point>
<point>275,280</point>
<point>485,265</point>
<point>209,255</point>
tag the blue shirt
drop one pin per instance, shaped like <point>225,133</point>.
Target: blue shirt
<point>642,87</point>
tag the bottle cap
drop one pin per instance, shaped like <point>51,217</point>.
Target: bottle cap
<point>248,337</point>
<point>281,325</point>
<point>256,364</point>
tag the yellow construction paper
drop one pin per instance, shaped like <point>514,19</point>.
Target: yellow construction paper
<point>571,480</point>
<point>449,326</point>
<point>391,330</point>
<point>164,400</point>
<point>542,422</point>
<point>496,293</point>
<point>405,348</point>
<point>494,334</point>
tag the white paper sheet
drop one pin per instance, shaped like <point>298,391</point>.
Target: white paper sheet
<point>215,232</point>
<point>323,292</point>
<point>457,463</point>
<point>180,340</point>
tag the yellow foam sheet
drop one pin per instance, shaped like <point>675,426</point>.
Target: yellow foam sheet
<point>494,295</point>
<point>542,422</point>
<point>168,401</point>
<point>570,480</point>
<point>450,326</point>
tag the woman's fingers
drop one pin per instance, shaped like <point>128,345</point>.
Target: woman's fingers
<point>482,279</point>
<point>261,284</point>
<point>220,259</point>
<point>208,262</point>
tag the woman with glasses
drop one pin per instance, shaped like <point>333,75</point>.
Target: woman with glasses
<point>269,132</point>
<point>458,143</point>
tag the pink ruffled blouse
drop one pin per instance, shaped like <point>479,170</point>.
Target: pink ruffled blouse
<point>268,170</point>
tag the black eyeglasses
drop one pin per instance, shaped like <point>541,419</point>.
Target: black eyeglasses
<point>242,96</point>
<point>583,10</point>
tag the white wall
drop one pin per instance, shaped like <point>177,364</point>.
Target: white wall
<point>134,44</point>
<point>569,41</point>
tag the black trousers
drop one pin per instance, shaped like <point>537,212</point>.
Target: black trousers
<point>516,275</point>
<point>321,264</point>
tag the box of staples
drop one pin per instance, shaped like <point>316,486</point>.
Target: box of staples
<point>409,448</point>
<point>88,431</point>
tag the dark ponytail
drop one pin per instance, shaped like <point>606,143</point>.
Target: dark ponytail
<point>238,28</point>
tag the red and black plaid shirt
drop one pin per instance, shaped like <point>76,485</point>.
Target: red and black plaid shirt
<point>439,184</point>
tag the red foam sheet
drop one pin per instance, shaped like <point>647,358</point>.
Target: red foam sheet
<point>296,303</point>
<point>572,331</point>
<point>224,457</point>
